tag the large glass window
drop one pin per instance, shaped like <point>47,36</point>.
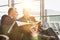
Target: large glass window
<point>53,13</point>
<point>3,2</point>
<point>3,7</point>
<point>33,5</point>
<point>52,10</point>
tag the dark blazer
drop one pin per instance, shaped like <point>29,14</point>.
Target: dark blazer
<point>6,22</point>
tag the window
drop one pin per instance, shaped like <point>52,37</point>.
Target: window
<point>33,5</point>
<point>3,7</point>
<point>53,10</point>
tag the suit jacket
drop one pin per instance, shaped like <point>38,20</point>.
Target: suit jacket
<point>26,28</point>
<point>23,19</point>
<point>6,22</point>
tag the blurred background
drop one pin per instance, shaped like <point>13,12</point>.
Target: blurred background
<point>51,10</point>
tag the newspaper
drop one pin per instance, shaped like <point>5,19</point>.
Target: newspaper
<point>19,23</point>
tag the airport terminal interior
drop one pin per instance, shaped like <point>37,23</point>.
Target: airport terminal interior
<point>42,12</point>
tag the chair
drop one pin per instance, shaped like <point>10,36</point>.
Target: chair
<point>46,37</point>
<point>48,32</point>
<point>4,36</point>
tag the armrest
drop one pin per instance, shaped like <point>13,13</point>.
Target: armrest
<point>48,37</point>
<point>7,38</point>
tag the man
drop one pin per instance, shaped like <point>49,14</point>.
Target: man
<point>7,21</point>
<point>27,33</point>
<point>26,16</point>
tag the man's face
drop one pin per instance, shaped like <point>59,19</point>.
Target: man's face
<point>14,13</point>
<point>26,13</point>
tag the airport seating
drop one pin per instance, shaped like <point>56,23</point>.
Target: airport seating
<point>5,37</point>
<point>49,33</point>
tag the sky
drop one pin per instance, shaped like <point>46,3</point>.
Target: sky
<point>35,6</point>
<point>52,4</point>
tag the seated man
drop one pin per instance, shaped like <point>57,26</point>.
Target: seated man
<point>26,16</point>
<point>7,21</point>
<point>27,34</point>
